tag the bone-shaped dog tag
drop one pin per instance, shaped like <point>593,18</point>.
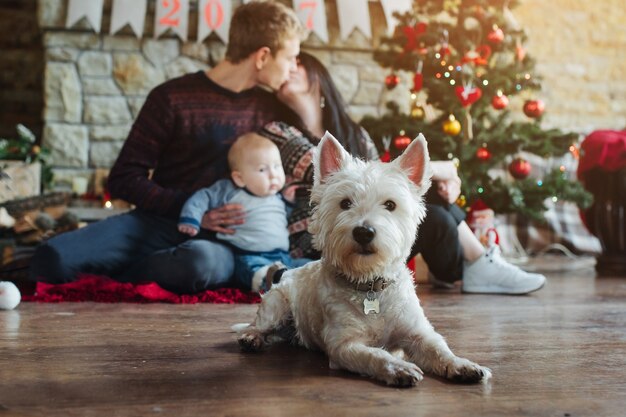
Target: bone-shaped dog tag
<point>371,304</point>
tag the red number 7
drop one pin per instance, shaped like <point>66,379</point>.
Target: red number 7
<point>309,5</point>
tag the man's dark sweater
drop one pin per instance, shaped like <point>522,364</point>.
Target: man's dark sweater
<point>183,134</point>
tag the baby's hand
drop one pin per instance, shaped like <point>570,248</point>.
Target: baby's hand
<point>188,230</point>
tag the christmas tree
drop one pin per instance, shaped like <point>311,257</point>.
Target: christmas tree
<point>467,58</point>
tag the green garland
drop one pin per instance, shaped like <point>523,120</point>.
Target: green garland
<point>25,148</point>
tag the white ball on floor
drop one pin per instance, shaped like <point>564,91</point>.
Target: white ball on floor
<point>9,295</point>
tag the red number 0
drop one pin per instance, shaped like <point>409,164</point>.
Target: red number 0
<point>219,14</point>
<point>309,5</point>
<point>168,19</point>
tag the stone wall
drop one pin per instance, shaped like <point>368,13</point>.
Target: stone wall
<point>96,83</point>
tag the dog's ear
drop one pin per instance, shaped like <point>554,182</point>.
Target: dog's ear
<point>415,161</point>
<point>329,158</point>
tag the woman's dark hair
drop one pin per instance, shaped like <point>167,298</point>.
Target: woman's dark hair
<point>335,119</point>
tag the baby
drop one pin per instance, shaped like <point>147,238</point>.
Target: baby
<point>262,241</point>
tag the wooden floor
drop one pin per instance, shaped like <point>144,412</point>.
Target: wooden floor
<point>558,352</point>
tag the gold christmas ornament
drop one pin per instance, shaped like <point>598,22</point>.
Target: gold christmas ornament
<point>451,126</point>
<point>418,112</point>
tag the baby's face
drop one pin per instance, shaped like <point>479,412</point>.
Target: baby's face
<point>262,172</point>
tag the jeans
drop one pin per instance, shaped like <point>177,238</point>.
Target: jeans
<point>247,264</point>
<point>134,247</point>
<point>438,242</point>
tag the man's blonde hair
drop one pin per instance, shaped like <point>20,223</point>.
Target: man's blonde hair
<point>245,144</point>
<point>258,24</point>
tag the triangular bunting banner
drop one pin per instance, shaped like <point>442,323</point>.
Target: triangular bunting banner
<point>90,9</point>
<point>391,6</point>
<point>312,14</point>
<point>131,12</point>
<point>354,14</point>
<point>172,14</point>
<point>214,15</point>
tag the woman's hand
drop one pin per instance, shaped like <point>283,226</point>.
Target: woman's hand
<point>219,219</point>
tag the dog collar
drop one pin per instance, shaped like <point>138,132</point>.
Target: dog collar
<point>376,285</point>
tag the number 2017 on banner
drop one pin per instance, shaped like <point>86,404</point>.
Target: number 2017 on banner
<point>212,13</point>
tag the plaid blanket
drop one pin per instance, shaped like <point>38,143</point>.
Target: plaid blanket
<point>563,222</point>
<point>563,225</point>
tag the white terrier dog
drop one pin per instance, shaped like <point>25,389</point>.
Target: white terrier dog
<point>358,302</point>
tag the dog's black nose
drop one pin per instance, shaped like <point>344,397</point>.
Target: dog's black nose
<point>363,234</point>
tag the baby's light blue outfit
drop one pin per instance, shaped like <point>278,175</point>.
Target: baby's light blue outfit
<point>262,240</point>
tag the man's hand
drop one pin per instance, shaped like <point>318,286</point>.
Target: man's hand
<point>219,219</point>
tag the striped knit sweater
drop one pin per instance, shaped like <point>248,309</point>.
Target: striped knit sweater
<point>180,140</point>
<point>296,152</point>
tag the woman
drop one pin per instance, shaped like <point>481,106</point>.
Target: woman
<point>445,241</point>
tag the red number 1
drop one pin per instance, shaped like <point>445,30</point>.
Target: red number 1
<point>309,5</point>
<point>168,19</point>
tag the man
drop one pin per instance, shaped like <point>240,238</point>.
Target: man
<point>183,134</point>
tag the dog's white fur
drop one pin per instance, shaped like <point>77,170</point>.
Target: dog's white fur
<point>321,299</point>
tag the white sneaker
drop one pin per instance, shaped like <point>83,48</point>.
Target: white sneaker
<point>493,275</point>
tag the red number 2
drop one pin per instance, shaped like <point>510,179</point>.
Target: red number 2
<point>168,19</point>
<point>309,5</point>
<point>214,23</point>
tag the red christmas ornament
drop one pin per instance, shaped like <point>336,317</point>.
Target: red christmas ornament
<point>412,35</point>
<point>418,82</point>
<point>519,168</point>
<point>520,53</point>
<point>483,154</point>
<point>401,142</point>
<point>391,81</point>
<point>478,56</point>
<point>468,95</point>
<point>496,35</point>
<point>499,101</point>
<point>534,108</point>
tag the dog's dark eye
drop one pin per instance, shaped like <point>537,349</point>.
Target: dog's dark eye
<point>345,204</point>
<point>390,205</point>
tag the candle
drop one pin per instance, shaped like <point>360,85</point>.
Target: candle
<point>79,185</point>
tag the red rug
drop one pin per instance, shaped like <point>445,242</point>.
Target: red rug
<point>105,290</point>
